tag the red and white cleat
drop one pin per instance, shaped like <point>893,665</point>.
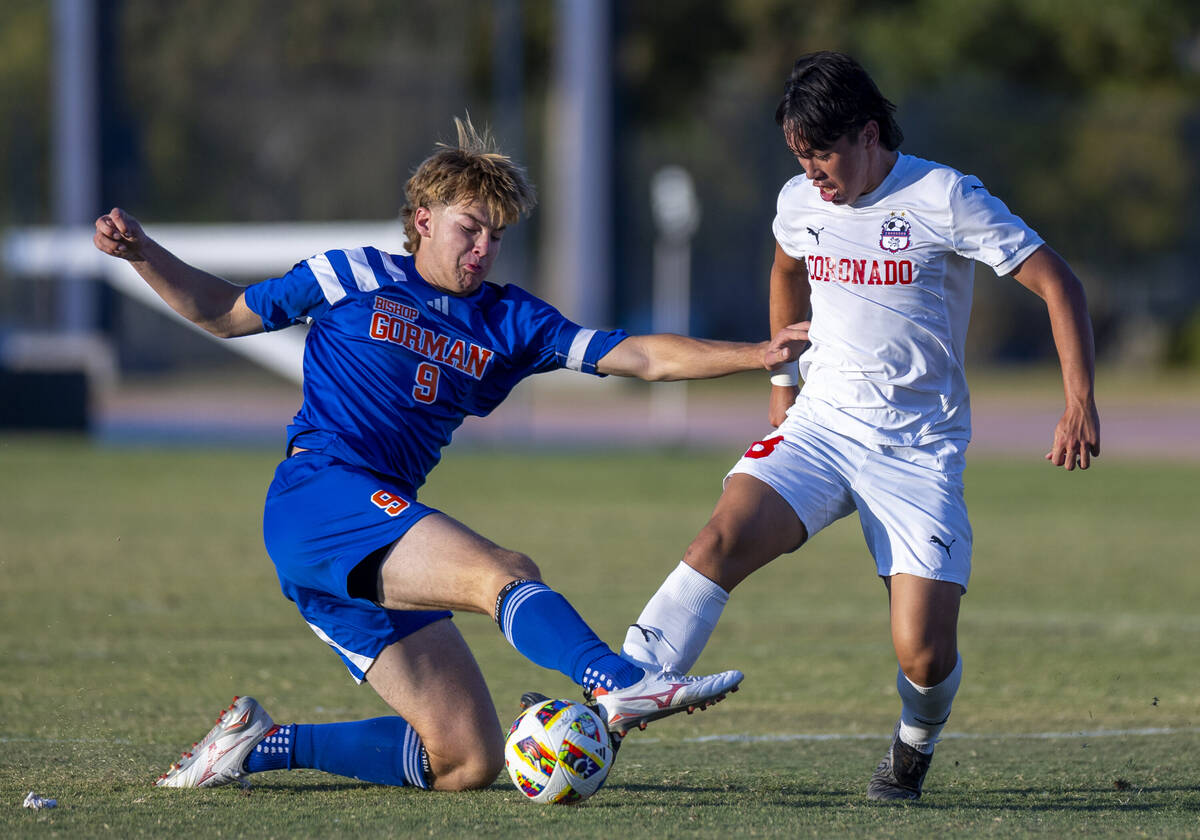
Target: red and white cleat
<point>218,758</point>
<point>659,695</point>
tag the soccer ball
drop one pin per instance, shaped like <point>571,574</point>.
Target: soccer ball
<point>558,751</point>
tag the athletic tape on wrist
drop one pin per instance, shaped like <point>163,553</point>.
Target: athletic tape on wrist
<point>787,375</point>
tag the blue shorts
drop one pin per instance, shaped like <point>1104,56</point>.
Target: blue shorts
<point>323,517</point>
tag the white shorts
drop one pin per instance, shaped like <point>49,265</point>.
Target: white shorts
<point>909,498</point>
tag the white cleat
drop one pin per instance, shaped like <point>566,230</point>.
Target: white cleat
<point>659,695</point>
<point>218,758</point>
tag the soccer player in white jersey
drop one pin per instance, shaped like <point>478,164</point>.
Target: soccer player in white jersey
<point>400,349</point>
<point>881,246</point>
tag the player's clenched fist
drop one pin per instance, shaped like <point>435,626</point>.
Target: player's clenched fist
<point>119,235</point>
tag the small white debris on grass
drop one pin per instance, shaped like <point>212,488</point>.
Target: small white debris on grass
<point>37,803</point>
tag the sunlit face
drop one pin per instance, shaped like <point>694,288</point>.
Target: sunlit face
<point>847,170</point>
<point>458,246</point>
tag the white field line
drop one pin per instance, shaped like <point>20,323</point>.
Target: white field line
<point>953,736</point>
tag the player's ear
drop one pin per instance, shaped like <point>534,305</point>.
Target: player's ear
<point>870,134</point>
<point>421,218</point>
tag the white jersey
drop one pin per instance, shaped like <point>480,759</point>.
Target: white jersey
<point>892,277</point>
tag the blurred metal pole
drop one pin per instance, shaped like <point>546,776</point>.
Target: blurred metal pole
<point>578,220</point>
<point>676,212</point>
<point>508,122</point>
<point>75,170</point>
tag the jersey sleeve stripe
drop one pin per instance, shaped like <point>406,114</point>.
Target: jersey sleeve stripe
<point>327,278</point>
<point>389,265</point>
<point>578,351</point>
<point>364,275</point>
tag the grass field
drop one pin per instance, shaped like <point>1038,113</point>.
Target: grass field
<point>136,599</point>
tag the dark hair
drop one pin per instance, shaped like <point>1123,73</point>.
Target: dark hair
<point>828,95</point>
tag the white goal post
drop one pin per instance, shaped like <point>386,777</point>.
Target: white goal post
<point>239,252</point>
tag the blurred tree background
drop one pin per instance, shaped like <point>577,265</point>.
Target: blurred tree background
<point>1083,116</point>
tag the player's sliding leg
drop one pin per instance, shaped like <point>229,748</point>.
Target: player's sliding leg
<point>244,741</point>
<point>543,626</point>
<point>423,676</point>
<point>440,563</point>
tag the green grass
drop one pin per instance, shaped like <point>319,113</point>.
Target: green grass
<point>136,599</point>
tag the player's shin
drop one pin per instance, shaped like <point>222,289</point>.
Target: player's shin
<point>926,709</point>
<point>547,630</point>
<point>676,622</point>
<point>385,751</point>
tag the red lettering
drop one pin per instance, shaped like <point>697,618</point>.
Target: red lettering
<point>874,281</point>
<point>433,346</point>
<point>889,272</point>
<point>389,503</point>
<point>906,273</point>
<point>427,377</point>
<point>467,357</point>
<point>860,272</point>
<point>380,325</point>
<point>478,360</point>
<point>412,336</point>
<point>763,448</point>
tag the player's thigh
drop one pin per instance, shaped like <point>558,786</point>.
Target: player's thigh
<point>440,563</point>
<point>751,526</point>
<point>431,679</point>
<point>785,489</point>
<point>924,624</point>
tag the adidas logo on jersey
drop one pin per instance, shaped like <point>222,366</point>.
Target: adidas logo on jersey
<point>441,304</point>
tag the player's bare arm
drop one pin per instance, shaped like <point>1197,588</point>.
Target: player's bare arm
<point>666,357</point>
<point>206,300</point>
<point>788,305</point>
<point>1077,435</point>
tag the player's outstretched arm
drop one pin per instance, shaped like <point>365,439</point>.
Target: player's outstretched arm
<point>1077,435</point>
<point>206,300</point>
<point>665,356</point>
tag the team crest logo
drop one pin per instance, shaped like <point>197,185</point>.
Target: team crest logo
<point>896,234</point>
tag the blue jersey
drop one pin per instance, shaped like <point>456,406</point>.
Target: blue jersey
<point>392,365</point>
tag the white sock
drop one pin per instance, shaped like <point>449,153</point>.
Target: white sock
<point>925,710</point>
<point>676,622</point>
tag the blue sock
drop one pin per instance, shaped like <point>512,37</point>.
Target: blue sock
<point>384,751</point>
<point>273,752</point>
<point>544,628</point>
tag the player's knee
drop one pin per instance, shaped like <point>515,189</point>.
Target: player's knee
<point>927,665</point>
<point>518,566</point>
<point>711,554</point>
<point>709,546</point>
<point>469,772</point>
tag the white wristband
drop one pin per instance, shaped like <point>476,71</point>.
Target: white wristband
<point>786,376</point>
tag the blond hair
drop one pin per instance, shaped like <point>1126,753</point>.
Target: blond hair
<point>474,170</point>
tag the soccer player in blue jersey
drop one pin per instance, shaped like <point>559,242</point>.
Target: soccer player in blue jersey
<point>400,349</point>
